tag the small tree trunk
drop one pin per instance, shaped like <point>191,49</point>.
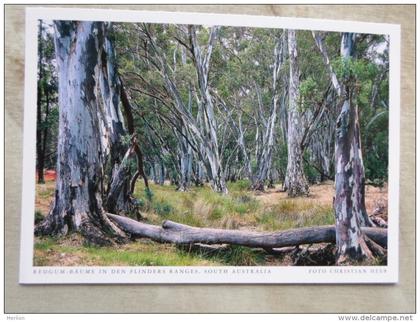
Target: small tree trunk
<point>162,173</point>
<point>130,126</point>
<point>184,182</point>
<point>295,183</point>
<point>39,151</point>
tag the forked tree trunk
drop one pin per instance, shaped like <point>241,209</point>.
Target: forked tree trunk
<point>295,182</point>
<point>351,243</point>
<point>118,197</point>
<point>265,155</point>
<point>211,146</point>
<point>80,157</point>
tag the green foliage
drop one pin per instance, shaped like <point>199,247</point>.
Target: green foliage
<point>310,93</point>
<point>126,139</point>
<point>350,68</point>
<point>376,168</point>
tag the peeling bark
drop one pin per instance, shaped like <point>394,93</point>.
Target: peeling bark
<point>80,155</point>
<point>108,90</point>
<point>118,199</point>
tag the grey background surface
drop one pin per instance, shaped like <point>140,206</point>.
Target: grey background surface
<point>214,298</point>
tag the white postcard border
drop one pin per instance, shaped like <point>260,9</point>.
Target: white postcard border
<point>28,274</point>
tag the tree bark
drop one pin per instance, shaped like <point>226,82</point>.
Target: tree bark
<point>119,199</point>
<point>295,182</point>
<point>80,155</point>
<point>351,244</point>
<point>359,174</point>
<point>171,232</point>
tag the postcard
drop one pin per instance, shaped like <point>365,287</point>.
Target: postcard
<point>181,147</point>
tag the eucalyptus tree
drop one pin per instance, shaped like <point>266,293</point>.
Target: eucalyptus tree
<point>341,85</point>
<point>91,130</point>
<point>350,211</point>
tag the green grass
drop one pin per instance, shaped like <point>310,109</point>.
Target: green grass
<point>45,244</point>
<point>49,251</point>
<point>149,255</point>
<point>201,207</point>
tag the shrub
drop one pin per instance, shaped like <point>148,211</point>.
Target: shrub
<point>162,208</point>
<point>38,217</point>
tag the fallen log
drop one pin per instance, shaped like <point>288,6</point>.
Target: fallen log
<point>171,232</point>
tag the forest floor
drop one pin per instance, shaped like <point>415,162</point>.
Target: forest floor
<point>240,209</point>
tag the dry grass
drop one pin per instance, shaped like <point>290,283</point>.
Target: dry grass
<point>44,195</point>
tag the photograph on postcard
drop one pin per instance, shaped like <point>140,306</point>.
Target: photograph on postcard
<point>166,144</point>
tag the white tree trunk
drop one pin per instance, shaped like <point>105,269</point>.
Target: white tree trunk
<point>295,183</point>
